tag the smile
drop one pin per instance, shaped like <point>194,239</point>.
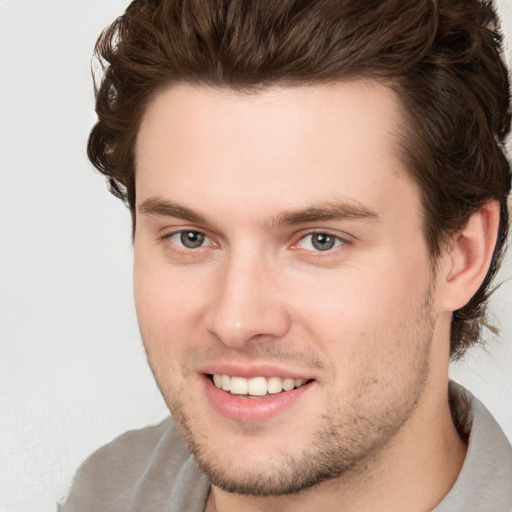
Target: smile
<point>256,386</point>
<point>257,397</point>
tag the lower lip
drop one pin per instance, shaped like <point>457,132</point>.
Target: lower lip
<point>250,410</point>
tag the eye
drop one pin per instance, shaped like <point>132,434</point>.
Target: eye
<point>319,242</point>
<point>189,239</point>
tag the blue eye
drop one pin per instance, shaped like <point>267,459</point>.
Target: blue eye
<point>320,242</point>
<point>189,239</point>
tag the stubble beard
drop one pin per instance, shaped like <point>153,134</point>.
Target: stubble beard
<point>343,446</point>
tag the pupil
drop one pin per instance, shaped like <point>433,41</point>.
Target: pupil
<point>322,242</point>
<point>192,239</point>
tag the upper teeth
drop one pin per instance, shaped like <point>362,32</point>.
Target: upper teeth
<point>257,386</point>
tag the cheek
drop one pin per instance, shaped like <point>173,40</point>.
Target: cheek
<point>351,304</point>
<point>169,304</point>
<point>366,321</point>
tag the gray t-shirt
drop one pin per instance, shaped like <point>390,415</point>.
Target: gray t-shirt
<point>151,470</point>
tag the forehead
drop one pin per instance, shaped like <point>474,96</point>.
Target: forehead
<point>280,148</point>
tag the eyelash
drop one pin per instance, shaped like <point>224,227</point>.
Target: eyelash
<point>183,249</point>
<point>337,241</point>
<point>180,248</point>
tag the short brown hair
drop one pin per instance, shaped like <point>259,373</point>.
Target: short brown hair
<point>443,58</point>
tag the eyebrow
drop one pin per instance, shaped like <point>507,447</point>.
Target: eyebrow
<point>344,210</point>
<point>164,208</point>
<point>330,211</point>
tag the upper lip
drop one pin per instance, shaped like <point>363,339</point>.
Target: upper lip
<point>254,370</point>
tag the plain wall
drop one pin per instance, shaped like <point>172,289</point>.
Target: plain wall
<point>72,370</point>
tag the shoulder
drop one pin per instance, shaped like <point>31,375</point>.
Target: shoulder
<point>135,449</point>
<point>114,476</point>
<point>485,480</point>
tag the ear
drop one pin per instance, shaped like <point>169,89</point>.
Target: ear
<point>464,264</point>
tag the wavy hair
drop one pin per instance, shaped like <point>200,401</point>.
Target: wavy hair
<point>442,57</point>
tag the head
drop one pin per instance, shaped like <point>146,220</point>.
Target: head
<point>305,188</point>
<point>442,59</point>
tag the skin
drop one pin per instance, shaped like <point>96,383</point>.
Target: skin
<point>367,321</point>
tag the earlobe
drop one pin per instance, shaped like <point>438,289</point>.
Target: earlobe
<point>467,260</point>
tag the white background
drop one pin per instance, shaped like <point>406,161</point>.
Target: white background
<point>72,370</point>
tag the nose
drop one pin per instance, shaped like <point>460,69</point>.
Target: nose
<point>247,305</point>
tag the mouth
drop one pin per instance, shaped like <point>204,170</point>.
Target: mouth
<point>255,387</point>
<point>254,394</point>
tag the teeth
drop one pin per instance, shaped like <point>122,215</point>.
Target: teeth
<point>288,384</point>
<point>274,385</point>
<point>225,383</point>
<point>257,386</point>
<point>239,386</point>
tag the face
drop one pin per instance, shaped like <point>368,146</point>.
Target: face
<point>283,286</point>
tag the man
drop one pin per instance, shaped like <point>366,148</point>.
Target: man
<point>318,192</point>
